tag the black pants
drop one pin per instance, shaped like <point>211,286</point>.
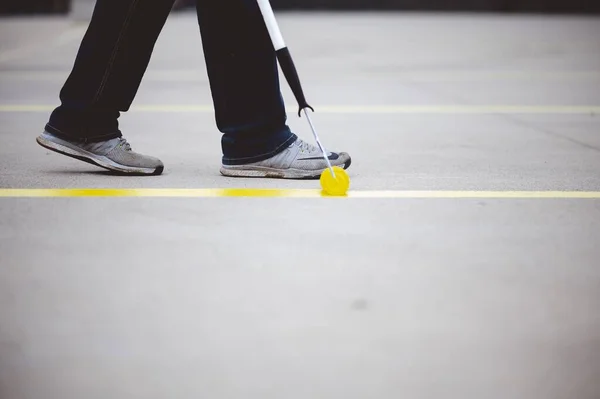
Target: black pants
<point>241,63</point>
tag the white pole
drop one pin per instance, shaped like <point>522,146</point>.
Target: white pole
<point>278,43</point>
<point>272,26</point>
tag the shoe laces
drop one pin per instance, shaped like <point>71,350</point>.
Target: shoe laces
<point>105,147</point>
<point>307,147</point>
<point>123,143</point>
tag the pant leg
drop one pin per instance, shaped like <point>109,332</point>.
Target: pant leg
<point>243,73</point>
<point>109,67</point>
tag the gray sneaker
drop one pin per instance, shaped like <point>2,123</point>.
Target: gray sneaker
<point>300,160</point>
<point>115,155</point>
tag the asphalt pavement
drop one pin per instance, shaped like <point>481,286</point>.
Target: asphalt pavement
<point>464,262</point>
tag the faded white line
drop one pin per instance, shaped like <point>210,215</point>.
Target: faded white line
<point>199,75</point>
<point>65,37</point>
<point>357,109</point>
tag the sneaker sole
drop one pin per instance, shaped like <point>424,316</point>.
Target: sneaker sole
<point>64,148</point>
<point>273,173</point>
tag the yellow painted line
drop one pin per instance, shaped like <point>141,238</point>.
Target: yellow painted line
<point>25,108</point>
<point>461,109</point>
<point>479,194</point>
<point>287,193</point>
<point>158,192</point>
<point>194,75</point>
<point>359,109</point>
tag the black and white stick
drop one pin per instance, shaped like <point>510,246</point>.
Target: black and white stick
<point>289,70</point>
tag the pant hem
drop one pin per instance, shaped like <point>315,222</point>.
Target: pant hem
<point>86,139</point>
<point>258,158</point>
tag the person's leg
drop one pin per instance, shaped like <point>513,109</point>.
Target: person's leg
<point>105,78</point>
<point>244,80</point>
<point>250,112</point>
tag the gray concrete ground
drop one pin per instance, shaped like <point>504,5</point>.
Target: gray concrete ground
<point>315,298</point>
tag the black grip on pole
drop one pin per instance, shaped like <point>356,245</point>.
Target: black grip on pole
<point>291,75</point>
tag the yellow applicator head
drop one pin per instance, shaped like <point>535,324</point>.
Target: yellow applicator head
<point>336,184</point>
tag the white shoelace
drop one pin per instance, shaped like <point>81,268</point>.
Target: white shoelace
<point>305,146</point>
<point>105,147</point>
